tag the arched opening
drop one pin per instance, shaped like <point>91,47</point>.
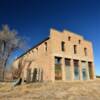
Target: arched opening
<point>28,75</point>
<point>34,79</point>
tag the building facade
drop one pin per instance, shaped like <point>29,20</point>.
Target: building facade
<point>62,56</point>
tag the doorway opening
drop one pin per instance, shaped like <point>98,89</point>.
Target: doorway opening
<point>84,75</point>
<point>90,70</point>
<point>58,70</point>
<point>67,68</point>
<point>76,70</point>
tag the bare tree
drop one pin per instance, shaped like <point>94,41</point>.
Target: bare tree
<point>16,72</point>
<point>9,42</point>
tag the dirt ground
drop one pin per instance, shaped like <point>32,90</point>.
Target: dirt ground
<point>84,90</point>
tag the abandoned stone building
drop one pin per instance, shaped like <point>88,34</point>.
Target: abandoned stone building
<point>62,56</point>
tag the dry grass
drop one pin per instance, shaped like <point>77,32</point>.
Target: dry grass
<point>86,90</point>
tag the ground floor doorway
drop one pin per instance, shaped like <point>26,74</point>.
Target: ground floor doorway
<point>34,75</point>
<point>90,67</point>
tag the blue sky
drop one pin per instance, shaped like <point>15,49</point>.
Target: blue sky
<point>34,18</point>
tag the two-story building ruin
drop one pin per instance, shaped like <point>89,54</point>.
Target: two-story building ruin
<point>62,56</point>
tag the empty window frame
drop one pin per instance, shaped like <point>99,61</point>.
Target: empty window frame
<point>79,41</point>
<point>69,38</point>
<point>46,46</point>
<point>75,49</point>
<point>37,49</point>
<point>85,51</point>
<point>63,46</point>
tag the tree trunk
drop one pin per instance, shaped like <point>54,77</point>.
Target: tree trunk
<point>4,66</point>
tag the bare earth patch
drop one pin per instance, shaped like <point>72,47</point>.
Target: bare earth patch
<point>84,90</point>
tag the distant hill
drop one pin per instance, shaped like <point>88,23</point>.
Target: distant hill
<point>97,76</point>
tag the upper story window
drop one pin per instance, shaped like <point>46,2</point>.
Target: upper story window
<point>37,49</point>
<point>45,46</point>
<point>79,41</point>
<point>63,46</point>
<point>57,60</point>
<point>85,51</point>
<point>75,49</point>
<point>33,51</point>
<point>69,38</point>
